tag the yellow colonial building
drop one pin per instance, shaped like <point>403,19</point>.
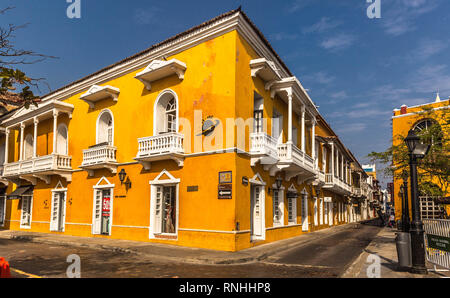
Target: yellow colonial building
<point>204,140</point>
<point>418,118</point>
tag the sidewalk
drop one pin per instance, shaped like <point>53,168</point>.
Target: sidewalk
<point>170,253</point>
<point>384,246</point>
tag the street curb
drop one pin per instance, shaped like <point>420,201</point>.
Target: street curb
<point>356,266</point>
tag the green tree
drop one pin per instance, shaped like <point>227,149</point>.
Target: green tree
<point>15,85</point>
<point>434,169</point>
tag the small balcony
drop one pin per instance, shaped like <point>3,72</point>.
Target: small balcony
<point>263,148</point>
<point>40,167</point>
<point>337,185</point>
<point>295,162</point>
<point>162,147</point>
<point>100,156</point>
<point>356,191</point>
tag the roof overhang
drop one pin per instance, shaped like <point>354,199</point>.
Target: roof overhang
<point>43,111</point>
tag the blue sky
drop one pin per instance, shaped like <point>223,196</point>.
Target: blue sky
<point>355,68</point>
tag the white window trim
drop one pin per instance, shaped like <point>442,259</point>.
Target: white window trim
<point>97,187</point>
<point>321,209</point>
<point>155,110</point>
<point>97,128</point>
<point>258,181</point>
<point>172,181</point>
<point>294,205</point>
<point>3,220</point>
<point>305,220</point>
<point>22,226</point>
<point>67,141</point>
<point>64,190</point>
<point>316,212</point>
<point>280,206</point>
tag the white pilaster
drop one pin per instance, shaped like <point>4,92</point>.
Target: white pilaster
<point>303,129</point>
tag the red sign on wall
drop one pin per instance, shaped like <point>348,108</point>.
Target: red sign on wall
<point>106,208</point>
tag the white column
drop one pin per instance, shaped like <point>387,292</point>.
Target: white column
<point>22,131</point>
<point>313,140</point>
<point>332,159</point>
<point>290,117</point>
<point>36,121</point>
<point>303,129</point>
<point>55,127</point>
<point>6,145</point>
<point>337,163</point>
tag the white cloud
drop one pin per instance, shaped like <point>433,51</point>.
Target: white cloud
<point>338,42</point>
<point>321,77</point>
<point>339,95</point>
<point>146,16</point>
<point>398,17</point>
<point>352,127</point>
<point>321,26</point>
<point>298,5</point>
<point>283,36</point>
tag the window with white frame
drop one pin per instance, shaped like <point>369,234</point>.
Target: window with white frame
<point>26,211</point>
<point>324,159</point>
<point>278,208</point>
<point>105,128</point>
<point>102,213</point>
<point>28,147</point>
<point>292,209</point>
<point>166,113</point>
<point>321,211</point>
<point>316,219</point>
<point>305,222</point>
<point>164,206</point>
<point>325,213</point>
<point>62,140</point>
<point>58,211</point>
<point>258,113</point>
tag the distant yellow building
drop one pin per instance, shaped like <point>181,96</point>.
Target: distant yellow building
<point>204,140</point>
<point>417,117</point>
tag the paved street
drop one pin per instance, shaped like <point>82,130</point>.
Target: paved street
<point>328,256</point>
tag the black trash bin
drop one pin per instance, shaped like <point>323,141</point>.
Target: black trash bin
<point>403,243</point>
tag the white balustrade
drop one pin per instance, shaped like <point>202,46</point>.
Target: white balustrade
<point>291,153</point>
<point>162,144</point>
<point>39,164</point>
<point>99,155</point>
<point>263,144</point>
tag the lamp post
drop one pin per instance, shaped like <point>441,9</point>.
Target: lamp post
<point>405,203</point>
<point>416,151</point>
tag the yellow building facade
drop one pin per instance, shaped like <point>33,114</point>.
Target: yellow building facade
<point>417,118</point>
<point>204,140</point>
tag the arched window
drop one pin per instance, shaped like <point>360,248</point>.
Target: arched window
<point>62,140</point>
<point>28,147</point>
<point>429,130</point>
<point>166,113</point>
<point>105,128</point>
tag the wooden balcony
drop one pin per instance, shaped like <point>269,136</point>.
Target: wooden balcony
<point>101,156</point>
<point>162,147</point>
<point>40,167</point>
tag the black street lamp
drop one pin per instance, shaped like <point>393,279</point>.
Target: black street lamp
<point>416,151</point>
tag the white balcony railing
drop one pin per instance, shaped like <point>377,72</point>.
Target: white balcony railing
<point>331,181</point>
<point>46,163</point>
<point>103,154</point>
<point>291,153</point>
<point>163,144</point>
<point>263,144</point>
